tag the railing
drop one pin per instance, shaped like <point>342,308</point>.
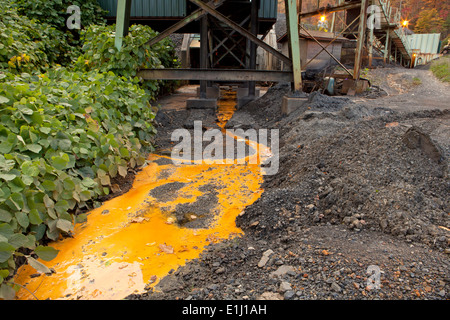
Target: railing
<point>393,16</point>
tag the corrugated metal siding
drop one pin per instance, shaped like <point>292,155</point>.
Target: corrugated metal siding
<point>149,8</point>
<point>175,8</point>
<point>268,9</point>
<point>426,43</point>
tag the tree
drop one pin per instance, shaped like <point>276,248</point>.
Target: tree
<point>429,22</point>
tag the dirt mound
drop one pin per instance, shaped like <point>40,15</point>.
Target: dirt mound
<point>359,167</point>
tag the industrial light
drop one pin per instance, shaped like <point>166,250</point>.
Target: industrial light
<point>405,23</point>
<point>323,18</point>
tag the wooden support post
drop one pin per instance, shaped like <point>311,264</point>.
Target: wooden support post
<point>122,21</point>
<point>294,42</point>
<point>386,47</point>
<point>253,47</point>
<point>361,38</point>
<point>203,53</point>
<point>395,55</point>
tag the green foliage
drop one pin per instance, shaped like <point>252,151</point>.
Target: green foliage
<point>429,22</point>
<point>441,68</point>
<point>416,81</point>
<point>101,54</point>
<point>54,12</point>
<point>27,45</point>
<point>63,136</point>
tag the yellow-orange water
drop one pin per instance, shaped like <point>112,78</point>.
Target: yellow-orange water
<point>129,242</point>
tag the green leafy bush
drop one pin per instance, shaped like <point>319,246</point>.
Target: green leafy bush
<point>101,54</point>
<point>27,45</point>
<point>63,136</point>
<point>441,68</point>
<point>54,12</point>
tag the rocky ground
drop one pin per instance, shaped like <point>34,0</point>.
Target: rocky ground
<point>358,210</point>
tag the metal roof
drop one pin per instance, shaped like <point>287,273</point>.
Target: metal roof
<point>148,8</point>
<point>426,43</point>
<point>175,8</point>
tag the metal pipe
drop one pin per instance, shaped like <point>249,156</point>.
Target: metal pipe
<point>203,53</point>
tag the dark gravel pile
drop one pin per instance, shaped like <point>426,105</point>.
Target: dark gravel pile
<point>322,262</point>
<point>361,174</point>
<point>360,187</point>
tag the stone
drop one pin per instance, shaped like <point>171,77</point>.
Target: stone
<point>289,295</point>
<point>265,258</point>
<point>220,270</point>
<point>282,270</point>
<point>415,138</point>
<point>285,286</point>
<point>268,295</point>
<point>336,287</point>
<point>290,104</point>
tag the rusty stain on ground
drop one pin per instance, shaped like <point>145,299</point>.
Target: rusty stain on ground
<point>130,243</point>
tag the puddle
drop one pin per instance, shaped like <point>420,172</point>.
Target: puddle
<point>134,240</point>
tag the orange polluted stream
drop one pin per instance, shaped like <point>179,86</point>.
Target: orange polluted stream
<point>130,242</point>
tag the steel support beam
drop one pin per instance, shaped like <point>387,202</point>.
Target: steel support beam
<point>180,24</point>
<point>386,47</point>
<point>340,7</point>
<point>122,22</point>
<point>253,47</point>
<point>216,75</point>
<point>292,22</point>
<point>203,53</point>
<point>241,30</point>
<point>360,41</point>
<point>228,51</point>
<point>229,35</point>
